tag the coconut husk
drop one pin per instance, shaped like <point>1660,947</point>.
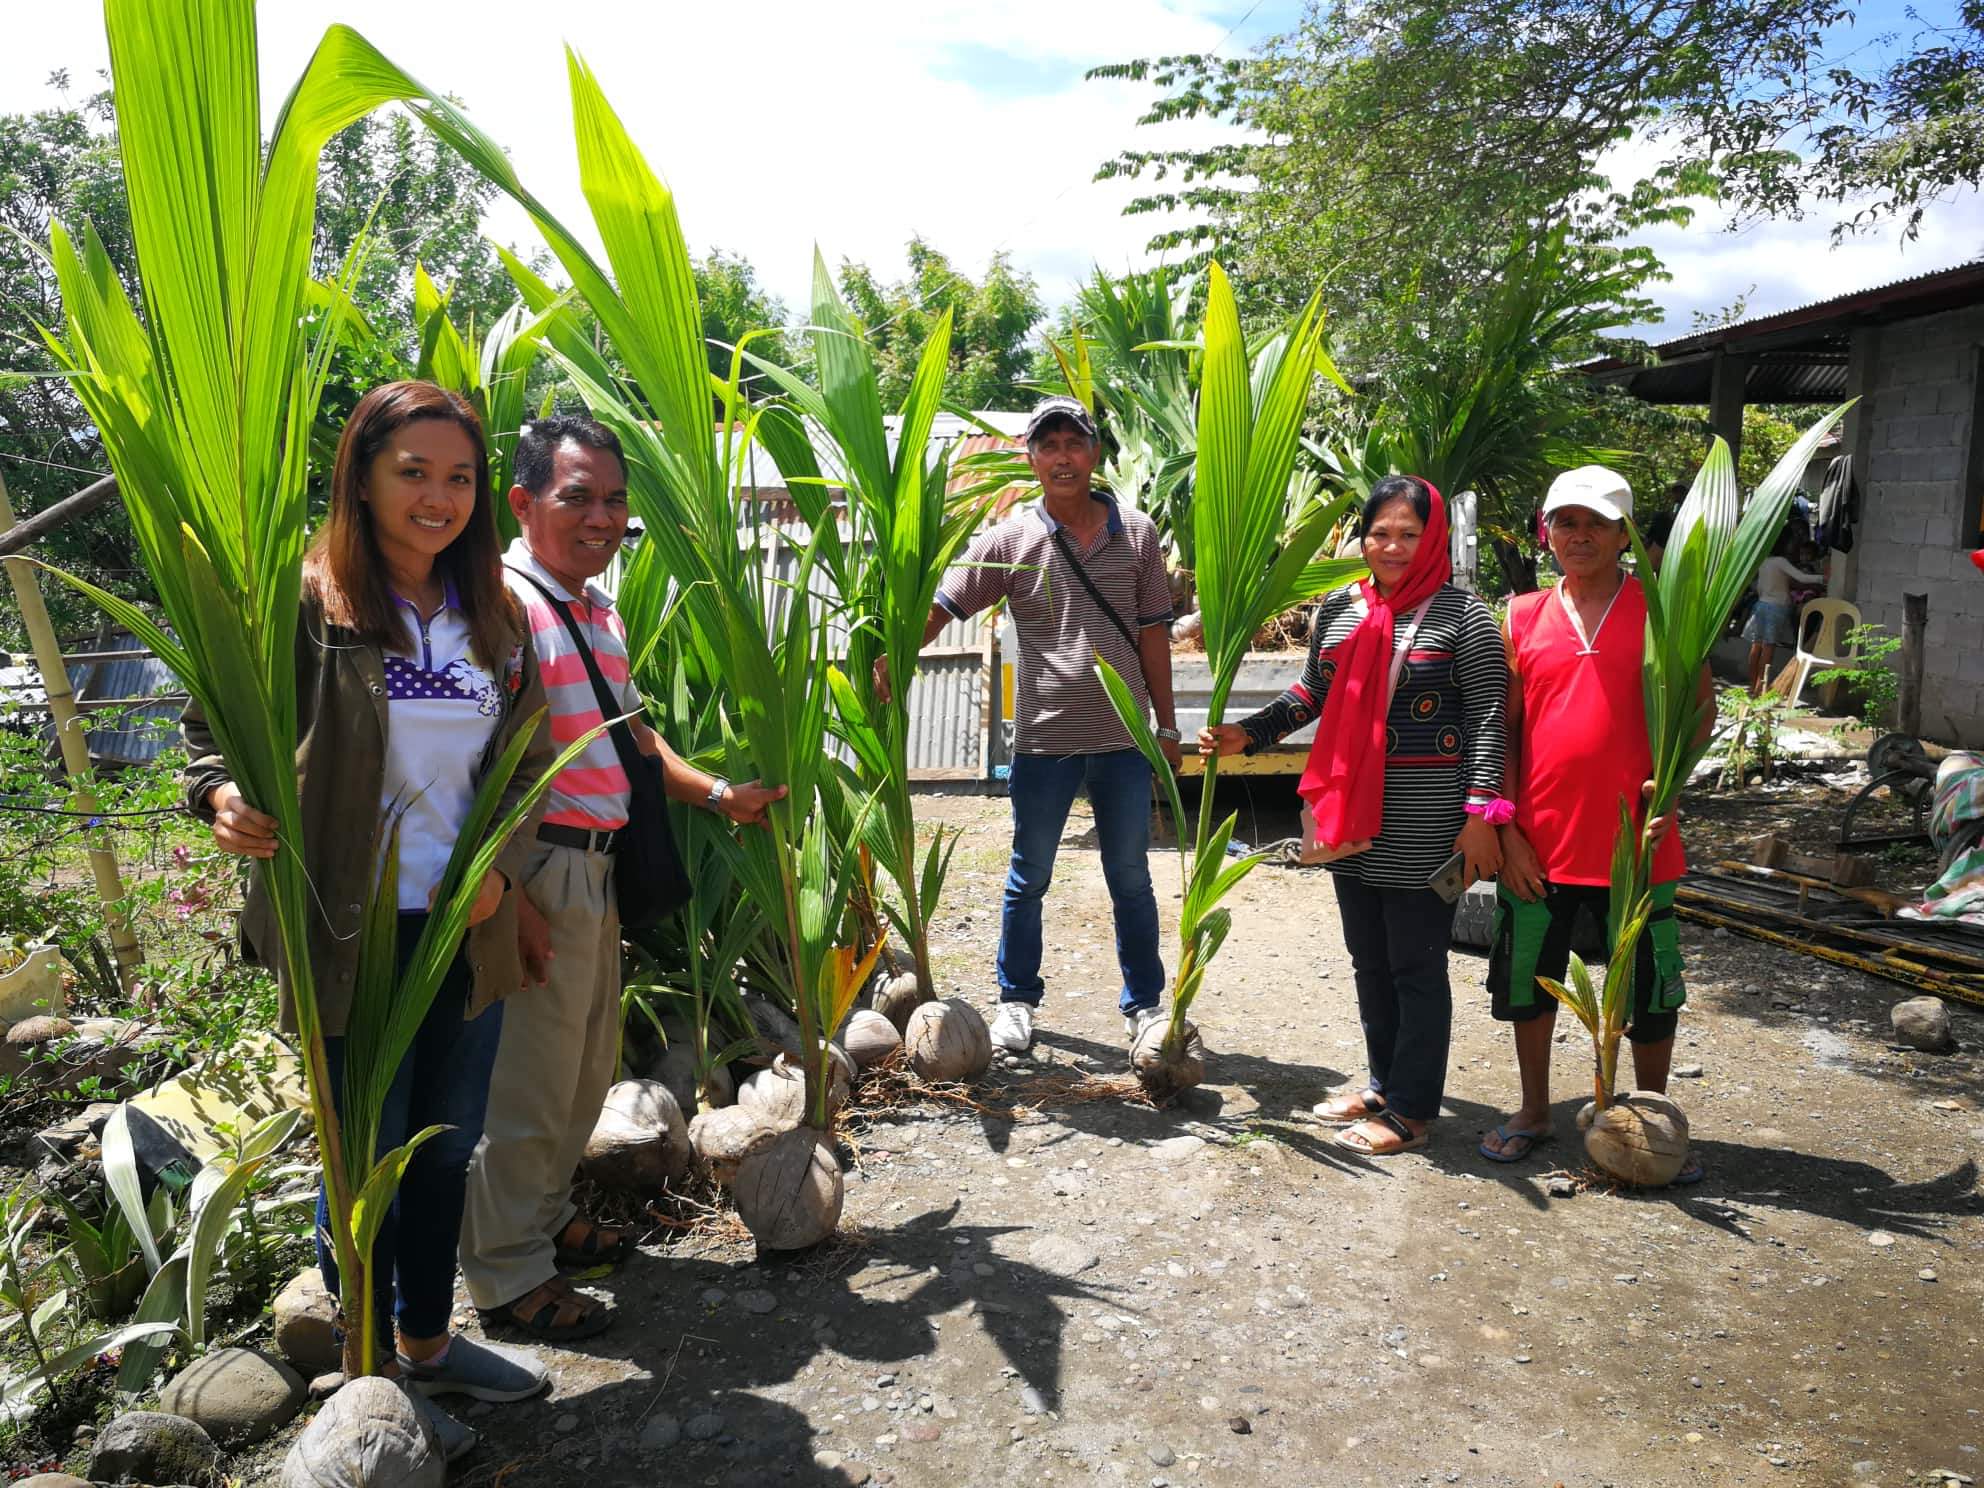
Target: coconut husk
<point>948,1040</point>
<point>1641,1139</point>
<point>777,1095</point>
<point>1161,1072</point>
<point>773,1026</point>
<point>898,997</point>
<point>640,1143</point>
<point>723,1138</point>
<point>870,1038</point>
<point>789,1193</point>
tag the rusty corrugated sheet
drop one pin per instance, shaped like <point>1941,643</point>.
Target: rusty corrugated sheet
<point>947,718</point>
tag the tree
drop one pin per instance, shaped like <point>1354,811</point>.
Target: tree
<point>59,161</point>
<point>734,303</point>
<point>1395,143</point>
<point>990,319</point>
<point>424,204</point>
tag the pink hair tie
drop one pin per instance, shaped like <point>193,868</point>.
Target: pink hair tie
<point>1497,813</point>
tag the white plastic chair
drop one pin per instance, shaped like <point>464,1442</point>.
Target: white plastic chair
<point>1836,620</point>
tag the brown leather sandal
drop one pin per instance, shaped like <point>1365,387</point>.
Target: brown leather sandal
<point>592,1249</point>
<point>555,1312</point>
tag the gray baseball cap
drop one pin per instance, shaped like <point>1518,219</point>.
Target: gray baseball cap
<point>1059,406</point>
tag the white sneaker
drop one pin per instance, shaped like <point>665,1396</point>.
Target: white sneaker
<point>1012,1027</point>
<point>1135,1023</point>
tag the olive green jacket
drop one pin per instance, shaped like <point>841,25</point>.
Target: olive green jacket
<point>340,761</point>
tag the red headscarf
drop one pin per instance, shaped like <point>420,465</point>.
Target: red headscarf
<point>1344,783</point>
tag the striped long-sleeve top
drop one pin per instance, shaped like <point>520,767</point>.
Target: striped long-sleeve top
<point>1446,733</point>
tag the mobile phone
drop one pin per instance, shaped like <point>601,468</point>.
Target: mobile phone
<point>1450,882</point>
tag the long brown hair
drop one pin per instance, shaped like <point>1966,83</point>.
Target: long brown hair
<point>344,566</point>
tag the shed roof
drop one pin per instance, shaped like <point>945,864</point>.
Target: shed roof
<point>1797,355</point>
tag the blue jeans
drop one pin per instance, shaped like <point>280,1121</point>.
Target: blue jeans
<point>443,1081</point>
<point>1043,787</point>
<point>1398,941</point>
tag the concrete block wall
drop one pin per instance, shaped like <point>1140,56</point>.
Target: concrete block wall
<point>1910,538</point>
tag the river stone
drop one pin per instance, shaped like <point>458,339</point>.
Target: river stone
<point>1919,1022</point>
<point>239,1395</point>
<point>369,1435</point>
<point>53,1480</point>
<point>306,1324</point>
<point>1059,1256</point>
<point>154,1447</point>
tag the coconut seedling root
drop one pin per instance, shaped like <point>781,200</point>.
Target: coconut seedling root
<point>1164,1067</point>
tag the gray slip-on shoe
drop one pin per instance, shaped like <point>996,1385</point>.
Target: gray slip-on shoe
<point>485,1371</point>
<point>457,1440</point>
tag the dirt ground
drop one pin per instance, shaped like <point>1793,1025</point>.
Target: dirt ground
<point>1067,1289</point>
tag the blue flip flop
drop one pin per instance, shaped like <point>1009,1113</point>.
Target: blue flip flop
<point>1530,1142</point>
<point>1691,1172</point>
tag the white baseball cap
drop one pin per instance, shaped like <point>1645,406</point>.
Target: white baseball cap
<point>1593,487</point>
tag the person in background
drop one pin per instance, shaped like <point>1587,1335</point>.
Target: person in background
<point>414,670</point>
<point>1578,749</point>
<point>1408,677</point>
<point>1774,621</point>
<point>1083,578</point>
<point>562,1043</point>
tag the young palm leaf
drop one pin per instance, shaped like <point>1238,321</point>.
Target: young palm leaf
<point>1252,564</point>
<point>1716,546</point>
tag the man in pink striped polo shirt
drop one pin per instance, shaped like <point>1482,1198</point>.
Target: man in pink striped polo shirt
<point>561,1031</point>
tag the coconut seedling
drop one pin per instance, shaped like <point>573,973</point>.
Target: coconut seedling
<point>1713,553</point>
<point>1253,563</point>
<point>205,403</point>
<point>681,481</point>
<point>904,532</point>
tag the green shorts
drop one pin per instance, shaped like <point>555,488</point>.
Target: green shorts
<point>1534,940</point>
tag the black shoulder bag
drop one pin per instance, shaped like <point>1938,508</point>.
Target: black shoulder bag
<point>649,880</point>
<point>1122,627</point>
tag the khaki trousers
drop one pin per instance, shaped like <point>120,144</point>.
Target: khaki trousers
<point>556,1061</point>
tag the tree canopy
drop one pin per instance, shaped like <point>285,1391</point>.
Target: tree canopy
<point>991,319</point>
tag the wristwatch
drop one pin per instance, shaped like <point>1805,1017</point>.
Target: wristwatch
<point>1170,733</point>
<point>719,788</point>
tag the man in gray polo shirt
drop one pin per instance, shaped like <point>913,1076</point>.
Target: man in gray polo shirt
<point>1084,579</point>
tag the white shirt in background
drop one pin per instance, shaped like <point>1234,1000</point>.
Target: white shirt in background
<point>1775,578</point>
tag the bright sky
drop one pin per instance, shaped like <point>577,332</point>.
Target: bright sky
<point>862,123</point>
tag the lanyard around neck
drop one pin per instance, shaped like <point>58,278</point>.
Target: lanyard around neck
<point>1588,644</point>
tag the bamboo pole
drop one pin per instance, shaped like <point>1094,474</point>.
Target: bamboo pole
<point>75,750</point>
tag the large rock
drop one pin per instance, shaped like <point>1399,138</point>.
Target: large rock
<point>239,1395</point>
<point>370,1435</point>
<point>1922,1023</point>
<point>153,1447</point>
<point>53,1480</point>
<point>306,1324</point>
<point>640,1142</point>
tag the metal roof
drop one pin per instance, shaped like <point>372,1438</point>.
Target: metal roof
<point>138,734</point>
<point>1795,356</point>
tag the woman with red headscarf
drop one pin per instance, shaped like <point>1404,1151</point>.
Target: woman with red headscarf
<point>1410,681</point>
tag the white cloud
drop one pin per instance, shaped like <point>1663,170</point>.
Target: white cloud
<point>1780,264</point>
<point>784,123</point>
<point>857,125</point>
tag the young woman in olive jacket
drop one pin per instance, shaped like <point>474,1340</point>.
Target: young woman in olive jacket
<point>414,671</point>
